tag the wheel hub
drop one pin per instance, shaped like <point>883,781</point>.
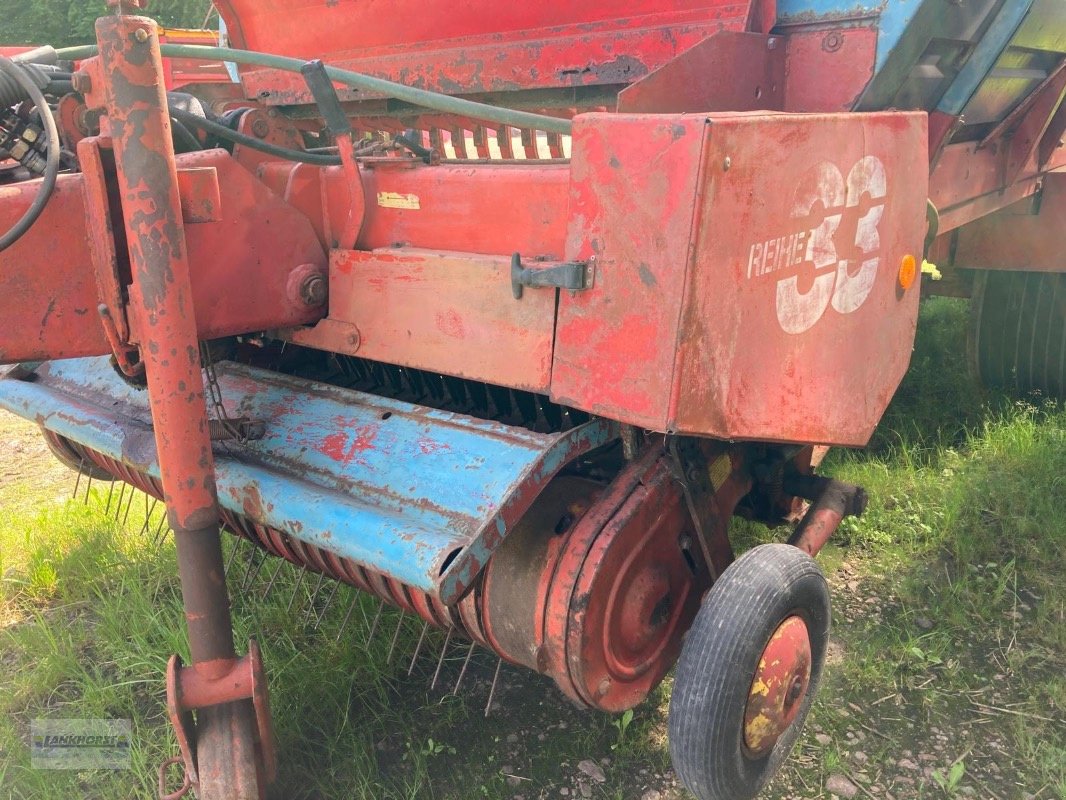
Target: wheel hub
<point>779,686</point>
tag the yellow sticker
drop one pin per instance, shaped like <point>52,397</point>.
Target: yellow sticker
<point>397,200</point>
<point>719,471</point>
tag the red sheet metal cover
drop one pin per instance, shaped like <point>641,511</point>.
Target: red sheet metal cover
<point>747,279</point>
<point>476,45</point>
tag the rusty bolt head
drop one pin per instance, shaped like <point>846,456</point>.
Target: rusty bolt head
<point>354,340</point>
<point>833,41</point>
<point>81,82</point>
<point>141,35</point>
<point>260,128</point>
<point>314,290</point>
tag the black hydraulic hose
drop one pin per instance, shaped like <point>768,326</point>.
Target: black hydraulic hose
<point>51,170</point>
<point>183,136</point>
<point>13,82</point>
<point>187,118</point>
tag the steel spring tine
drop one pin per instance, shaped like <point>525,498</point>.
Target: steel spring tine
<point>418,648</point>
<point>148,514</point>
<point>295,589</point>
<point>255,563</point>
<point>314,596</point>
<point>88,486</point>
<point>377,618</point>
<point>233,553</point>
<point>325,606</point>
<point>395,637</point>
<point>273,576</point>
<point>492,689</point>
<point>161,531</point>
<point>121,496</point>
<point>129,505</point>
<point>462,672</point>
<point>440,661</point>
<point>110,494</point>
<point>348,616</point>
<point>77,480</point>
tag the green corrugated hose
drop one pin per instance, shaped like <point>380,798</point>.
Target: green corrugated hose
<point>356,80</point>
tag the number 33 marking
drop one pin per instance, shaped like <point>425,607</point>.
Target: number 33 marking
<point>844,289</point>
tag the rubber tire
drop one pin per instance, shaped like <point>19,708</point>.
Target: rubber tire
<point>719,660</point>
<point>1018,331</point>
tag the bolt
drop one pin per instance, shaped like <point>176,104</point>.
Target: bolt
<point>313,290</point>
<point>833,41</point>
<point>727,163</point>
<point>354,340</point>
<point>82,82</point>
<point>260,127</point>
<point>141,35</point>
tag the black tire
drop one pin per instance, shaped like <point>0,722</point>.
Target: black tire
<point>1018,331</point>
<point>719,661</point>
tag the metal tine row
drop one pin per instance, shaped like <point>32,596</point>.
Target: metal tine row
<point>454,394</point>
<point>124,505</point>
<point>314,614</point>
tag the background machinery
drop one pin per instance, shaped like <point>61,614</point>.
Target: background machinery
<point>504,310</point>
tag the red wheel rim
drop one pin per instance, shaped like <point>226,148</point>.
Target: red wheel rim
<point>779,686</point>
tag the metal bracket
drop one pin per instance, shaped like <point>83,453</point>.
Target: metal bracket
<point>713,478</point>
<point>192,687</point>
<point>572,275</point>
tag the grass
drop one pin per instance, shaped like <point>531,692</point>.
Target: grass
<point>949,653</point>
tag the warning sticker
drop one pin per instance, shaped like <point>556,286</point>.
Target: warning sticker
<point>397,200</point>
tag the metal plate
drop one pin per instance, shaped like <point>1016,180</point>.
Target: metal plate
<point>423,496</point>
<point>747,272</point>
<point>445,312</point>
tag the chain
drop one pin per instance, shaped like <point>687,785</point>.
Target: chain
<point>231,427</point>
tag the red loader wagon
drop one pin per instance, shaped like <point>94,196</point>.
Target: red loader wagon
<point>501,312</point>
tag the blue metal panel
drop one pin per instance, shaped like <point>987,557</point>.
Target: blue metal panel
<point>984,57</point>
<point>396,487</point>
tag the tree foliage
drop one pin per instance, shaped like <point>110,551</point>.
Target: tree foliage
<point>69,22</point>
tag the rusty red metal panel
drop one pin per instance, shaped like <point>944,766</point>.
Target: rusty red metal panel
<point>479,208</point>
<point>49,282</point>
<point>783,240</point>
<point>243,264</point>
<point>969,182</point>
<point>445,312</point>
<point>748,70</point>
<point>1024,236</point>
<point>633,185</point>
<point>488,47</point>
<point>827,69</point>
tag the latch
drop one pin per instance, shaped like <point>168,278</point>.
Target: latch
<point>572,275</point>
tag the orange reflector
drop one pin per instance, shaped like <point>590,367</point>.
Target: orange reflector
<point>908,271</point>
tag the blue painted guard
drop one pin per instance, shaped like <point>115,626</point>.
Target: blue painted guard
<point>421,495</point>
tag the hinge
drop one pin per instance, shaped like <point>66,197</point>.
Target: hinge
<point>571,275</point>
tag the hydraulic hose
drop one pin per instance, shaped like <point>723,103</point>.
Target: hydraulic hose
<point>13,82</point>
<point>51,170</point>
<point>192,120</point>
<point>356,80</point>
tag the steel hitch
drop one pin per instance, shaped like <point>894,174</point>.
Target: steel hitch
<point>209,684</point>
<point>831,501</point>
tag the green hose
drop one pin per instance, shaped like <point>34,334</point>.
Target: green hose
<point>356,80</point>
